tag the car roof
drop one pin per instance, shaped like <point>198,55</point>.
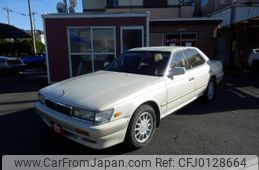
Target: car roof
<point>161,48</point>
<point>8,58</point>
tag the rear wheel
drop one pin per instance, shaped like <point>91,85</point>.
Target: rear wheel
<point>210,91</point>
<point>141,127</point>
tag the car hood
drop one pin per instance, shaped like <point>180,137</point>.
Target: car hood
<point>99,89</point>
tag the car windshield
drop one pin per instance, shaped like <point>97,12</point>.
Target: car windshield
<point>141,62</point>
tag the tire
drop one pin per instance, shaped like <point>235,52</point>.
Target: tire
<point>141,127</point>
<point>210,91</point>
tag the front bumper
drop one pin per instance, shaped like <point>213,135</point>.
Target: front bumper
<point>95,136</point>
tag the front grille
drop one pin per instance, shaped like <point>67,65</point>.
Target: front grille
<point>59,107</point>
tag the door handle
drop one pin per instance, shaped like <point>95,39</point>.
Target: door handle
<point>191,79</point>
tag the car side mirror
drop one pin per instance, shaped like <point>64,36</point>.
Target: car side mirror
<point>175,71</point>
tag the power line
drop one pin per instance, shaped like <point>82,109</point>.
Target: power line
<point>8,13</point>
<point>18,12</point>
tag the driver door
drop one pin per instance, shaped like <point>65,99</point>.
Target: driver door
<point>180,88</point>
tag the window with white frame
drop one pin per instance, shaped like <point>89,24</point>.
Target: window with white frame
<point>91,48</point>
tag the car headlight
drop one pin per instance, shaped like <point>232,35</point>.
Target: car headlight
<point>41,99</point>
<point>96,117</point>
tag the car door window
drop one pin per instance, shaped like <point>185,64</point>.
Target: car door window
<point>194,58</point>
<point>178,60</point>
<point>2,62</point>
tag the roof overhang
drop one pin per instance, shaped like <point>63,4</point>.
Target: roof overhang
<point>9,31</point>
<point>235,14</point>
<point>249,23</point>
<point>94,15</point>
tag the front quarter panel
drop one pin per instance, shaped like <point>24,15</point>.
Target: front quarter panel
<point>155,93</point>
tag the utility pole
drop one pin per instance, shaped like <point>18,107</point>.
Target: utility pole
<point>8,14</point>
<point>32,30</point>
<point>34,24</point>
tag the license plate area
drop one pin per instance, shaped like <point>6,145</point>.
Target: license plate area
<point>57,128</point>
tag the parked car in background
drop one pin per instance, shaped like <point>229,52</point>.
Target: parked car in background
<point>35,61</point>
<point>11,65</point>
<point>126,101</point>
<point>253,59</point>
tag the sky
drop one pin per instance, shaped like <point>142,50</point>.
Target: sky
<point>20,7</point>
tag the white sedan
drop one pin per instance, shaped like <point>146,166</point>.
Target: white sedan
<point>253,59</point>
<point>126,101</point>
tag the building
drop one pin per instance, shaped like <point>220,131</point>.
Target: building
<point>238,32</point>
<point>85,42</point>
<point>162,9</point>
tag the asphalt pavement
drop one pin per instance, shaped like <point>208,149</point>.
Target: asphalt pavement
<point>227,125</point>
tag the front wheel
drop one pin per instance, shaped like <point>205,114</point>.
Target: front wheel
<point>210,91</point>
<point>141,127</point>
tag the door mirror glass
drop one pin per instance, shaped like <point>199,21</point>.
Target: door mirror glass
<point>175,71</point>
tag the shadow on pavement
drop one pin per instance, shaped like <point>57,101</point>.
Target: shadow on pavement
<point>24,82</point>
<point>238,91</point>
<point>23,132</point>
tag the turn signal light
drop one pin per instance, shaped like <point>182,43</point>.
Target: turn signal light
<point>82,132</point>
<point>117,114</point>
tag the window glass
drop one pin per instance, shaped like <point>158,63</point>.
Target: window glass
<point>80,40</point>
<point>194,58</point>
<point>173,40</point>
<point>178,60</point>
<point>2,63</point>
<point>101,61</point>
<point>181,39</point>
<point>91,48</point>
<point>81,64</point>
<point>141,62</point>
<point>155,3</point>
<point>103,40</point>
<point>188,40</point>
<point>112,3</point>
